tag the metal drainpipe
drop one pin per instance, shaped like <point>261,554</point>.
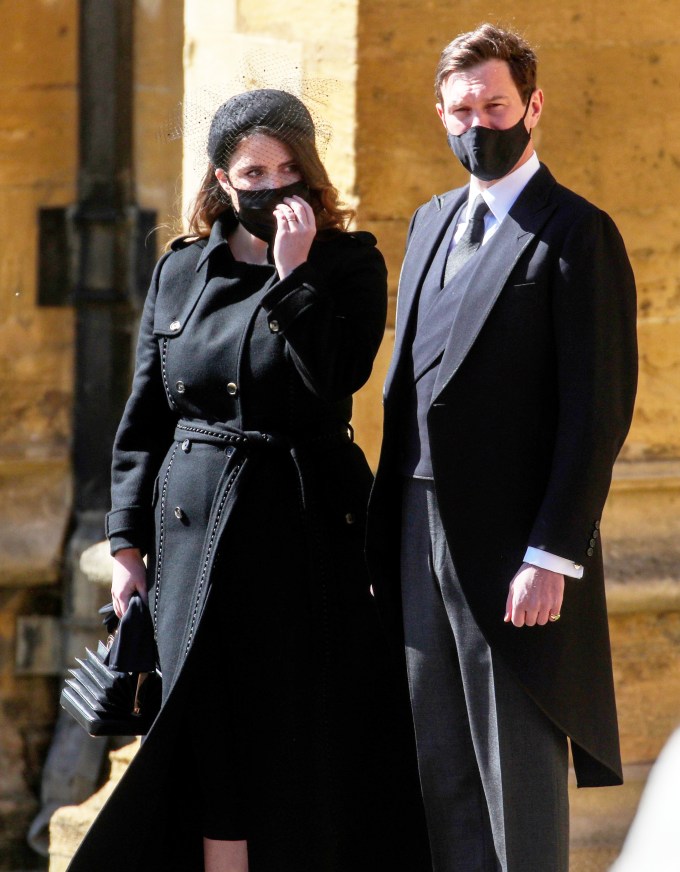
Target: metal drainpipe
<point>104,310</point>
<point>112,258</point>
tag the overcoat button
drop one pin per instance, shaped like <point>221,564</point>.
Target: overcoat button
<point>181,388</point>
<point>174,326</point>
<point>274,325</point>
<point>590,552</point>
<point>596,525</point>
<point>179,514</point>
<point>349,518</point>
<point>592,543</point>
<point>186,445</point>
<point>596,533</point>
<point>232,389</point>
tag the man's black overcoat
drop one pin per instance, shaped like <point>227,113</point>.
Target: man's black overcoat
<point>533,400</point>
<point>235,471</point>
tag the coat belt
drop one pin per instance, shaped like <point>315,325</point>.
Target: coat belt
<point>227,435</point>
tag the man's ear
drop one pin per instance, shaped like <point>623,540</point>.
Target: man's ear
<point>535,108</point>
<point>440,112</point>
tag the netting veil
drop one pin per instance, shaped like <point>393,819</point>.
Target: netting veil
<point>269,94</point>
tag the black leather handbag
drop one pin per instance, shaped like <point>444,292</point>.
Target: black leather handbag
<point>116,691</point>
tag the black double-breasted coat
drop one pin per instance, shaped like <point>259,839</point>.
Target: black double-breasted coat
<point>235,471</point>
<point>532,402</point>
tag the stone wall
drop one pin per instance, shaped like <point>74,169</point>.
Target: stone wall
<point>38,105</point>
<point>38,170</point>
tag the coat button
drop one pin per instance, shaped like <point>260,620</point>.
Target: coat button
<point>174,326</point>
<point>186,445</point>
<point>590,552</point>
<point>592,543</point>
<point>181,387</point>
<point>596,533</point>
<point>232,389</point>
<point>349,518</point>
<point>274,325</point>
<point>596,525</point>
<point>179,514</point>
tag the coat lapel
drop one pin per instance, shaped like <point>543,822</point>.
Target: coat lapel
<point>482,285</point>
<point>175,301</point>
<point>422,246</point>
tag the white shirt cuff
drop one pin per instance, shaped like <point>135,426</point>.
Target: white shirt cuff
<point>546,560</point>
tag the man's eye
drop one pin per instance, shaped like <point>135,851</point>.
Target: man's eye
<point>253,174</point>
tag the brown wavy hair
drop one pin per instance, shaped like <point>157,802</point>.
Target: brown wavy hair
<point>488,43</point>
<point>331,215</point>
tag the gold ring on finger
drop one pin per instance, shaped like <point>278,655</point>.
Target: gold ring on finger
<point>554,616</point>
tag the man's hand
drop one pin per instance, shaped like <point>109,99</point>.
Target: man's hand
<point>534,595</point>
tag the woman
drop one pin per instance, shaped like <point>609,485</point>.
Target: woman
<point>280,744</point>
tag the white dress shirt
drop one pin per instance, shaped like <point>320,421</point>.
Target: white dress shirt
<point>500,198</point>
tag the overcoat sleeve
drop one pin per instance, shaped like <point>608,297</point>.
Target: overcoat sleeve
<point>594,314</point>
<point>144,434</point>
<point>331,311</point>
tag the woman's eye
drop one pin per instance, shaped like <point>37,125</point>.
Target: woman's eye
<point>253,174</point>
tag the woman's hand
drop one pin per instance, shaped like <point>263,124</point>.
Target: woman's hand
<point>296,228</point>
<point>129,576</point>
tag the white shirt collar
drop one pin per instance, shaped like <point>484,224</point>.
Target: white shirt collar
<point>500,198</point>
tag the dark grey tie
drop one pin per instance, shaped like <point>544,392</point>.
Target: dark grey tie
<point>469,242</point>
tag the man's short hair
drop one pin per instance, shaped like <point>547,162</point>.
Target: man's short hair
<point>486,43</point>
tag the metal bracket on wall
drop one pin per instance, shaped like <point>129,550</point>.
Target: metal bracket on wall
<point>59,250</point>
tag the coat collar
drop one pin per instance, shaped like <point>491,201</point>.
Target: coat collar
<point>223,226</point>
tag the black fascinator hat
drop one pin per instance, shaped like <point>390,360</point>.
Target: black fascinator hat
<point>266,110</point>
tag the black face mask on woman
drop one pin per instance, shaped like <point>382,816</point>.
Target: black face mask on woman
<point>256,208</point>
<point>490,154</point>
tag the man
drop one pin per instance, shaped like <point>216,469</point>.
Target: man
<point>508,398</point>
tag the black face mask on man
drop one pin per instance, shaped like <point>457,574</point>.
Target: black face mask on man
<point>256,208</point>
<point>490,154</point>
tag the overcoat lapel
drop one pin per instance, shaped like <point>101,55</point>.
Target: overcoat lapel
<point>176,303</point>
<point>422,247</point>
<point>481,286</point>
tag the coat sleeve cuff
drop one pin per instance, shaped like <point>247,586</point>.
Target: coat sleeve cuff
<point>128,528</point>
<point>546,560</point>
<point>290,297</point>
